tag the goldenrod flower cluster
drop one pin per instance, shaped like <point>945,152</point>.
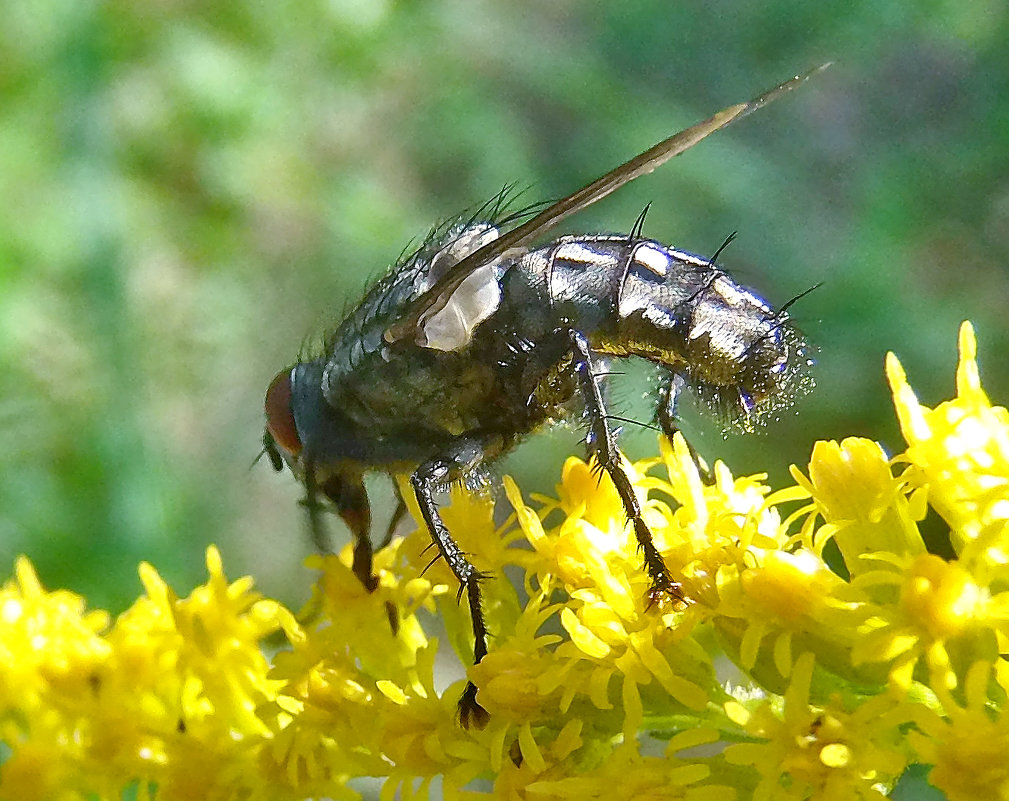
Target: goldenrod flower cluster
<point>825,649</point>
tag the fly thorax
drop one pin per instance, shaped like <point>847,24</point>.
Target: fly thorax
<point>451,327</point>
<point>460,241</point>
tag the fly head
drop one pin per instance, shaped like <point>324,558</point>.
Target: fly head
<point>281,440</point>
<point>303,430</point>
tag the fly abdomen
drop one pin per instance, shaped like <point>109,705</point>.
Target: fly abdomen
<point>630,296</point>
<point>639,297</point>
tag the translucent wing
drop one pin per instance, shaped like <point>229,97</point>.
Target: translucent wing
<point>518,239</point>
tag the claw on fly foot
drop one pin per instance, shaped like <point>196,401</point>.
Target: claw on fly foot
<point>393,615</point>
<point>668,597</point>
<point>471,714</point>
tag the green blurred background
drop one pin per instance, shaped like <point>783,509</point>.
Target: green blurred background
<point>189,191</point>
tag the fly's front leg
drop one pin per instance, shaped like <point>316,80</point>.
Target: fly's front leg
<point>454,463</point>
<point>347,492</point>
<point>602,444</point>
<point>320,538</point>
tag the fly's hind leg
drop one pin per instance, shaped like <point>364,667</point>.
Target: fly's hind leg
<point>669,420</point>
<point>452,464</point>
<point>666,414</point>
<point>601,442</point>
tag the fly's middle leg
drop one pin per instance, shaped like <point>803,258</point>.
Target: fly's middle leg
<point>397,516</point>
<point>602,444</point>
<point>465,453</point>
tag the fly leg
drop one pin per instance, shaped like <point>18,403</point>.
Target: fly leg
<point>601,442</point>
<point>669,395</point>
<point>347,493</point>
<point>320,538</point>
<point>464,454</point>
<point>669,420</point>
<point>397,516</point>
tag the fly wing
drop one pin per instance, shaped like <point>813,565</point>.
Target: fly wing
<point>519,239</point>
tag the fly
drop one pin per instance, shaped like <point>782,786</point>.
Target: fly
<point>482,336</point>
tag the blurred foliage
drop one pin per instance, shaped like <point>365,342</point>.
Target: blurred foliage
<point>189,191</point>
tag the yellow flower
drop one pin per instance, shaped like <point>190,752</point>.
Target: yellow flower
<point>520,678</point>
<point>52,659</point>
<point>966,744</point>
<point>780,678</point>
<point>940,615</point>
<point>168,694</point>
<point>625,775</point>
<point>50,642</point>
<point>786,602</point>
<point>764,596</point>
<point>824,751</point>
<point>959,452</point>
<point>724,523</point>
<point>612,631</point>
<point>863,506</point>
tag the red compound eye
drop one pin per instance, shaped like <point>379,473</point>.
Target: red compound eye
<point>279,416</point>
